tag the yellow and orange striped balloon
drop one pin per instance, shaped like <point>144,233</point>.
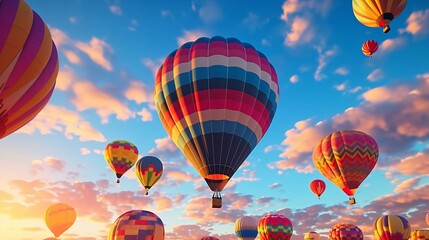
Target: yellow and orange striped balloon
<point>28,65</point>
<point>59,217</point>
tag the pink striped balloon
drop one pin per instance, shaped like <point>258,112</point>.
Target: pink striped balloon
<point>28,66</point>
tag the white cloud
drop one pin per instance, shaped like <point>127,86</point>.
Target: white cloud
<point>323,61</point>
<point>189,36</point>
<point>375,75</point>
<point>342,71</point>
<point>85,151</point>
<point>210,12</point>
<point>294,79</point>
<point>299,32</point>
<point>96,50</point>
<point>145,114</point>
<point>391,44</point>
<point>418,23</point>
<point>138,91</point>
<point>340,87</point>
<point>72,57</point>
<point>115,9</point>
<point>66,76</point>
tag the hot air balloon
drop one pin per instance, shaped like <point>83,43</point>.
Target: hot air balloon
<point>28,66</point>
<point>317,187</point>
<point>121,155</point>
<point>419,235</point>
<point>149,171</point>
<point>369,47</point>
<point>427,218</point>
<point>59,217</point>
<point>345,231</point>
<point>209,238</point>
<point>346,158</point>
<point>216,98</point>
<point>137,224</point>
<point>246,228</point>
<point>311,236</point>
<point>377,13</point>
<point>391,227</point>
<point>275,227</point>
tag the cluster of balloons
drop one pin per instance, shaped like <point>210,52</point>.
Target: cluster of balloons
<point>376,13</point>
<point>28,67</point>
<point>216,98</point>
<point>122,155</point>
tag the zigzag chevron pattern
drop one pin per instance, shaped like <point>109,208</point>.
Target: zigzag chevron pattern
<point>275,227</point>
<point>346,158</point>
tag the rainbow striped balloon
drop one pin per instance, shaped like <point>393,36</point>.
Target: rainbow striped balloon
<point>121,155</point>
<point>345,231</point>
<point>419,235</point>
<point>28,65</point>
<point>216,98</point>
<point>275,227</point>
<point>391,227</point>
<point>149,170</point>
<point>137,224</point>
<point>346,158</point>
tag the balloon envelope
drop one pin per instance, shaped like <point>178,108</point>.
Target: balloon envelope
<point>209,238</point>
<point>346,158</point>
<point>275,226</point>
<point>377,13</point>
<point>317,187</point>
<point>345,231</point>
<point>28,66</point>
<point>59,217</point>
<point>121,155</point>
<point>419,235</point>
<point>149,170</point>
<point>137,224</point>
<point>246,228</point>
<point>369,47</point>
<point>427,218</point>
<point>311,236</point>
<point>216,98</point>
<point>391,227</point>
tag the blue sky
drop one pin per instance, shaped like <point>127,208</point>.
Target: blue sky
<point>109,52</point>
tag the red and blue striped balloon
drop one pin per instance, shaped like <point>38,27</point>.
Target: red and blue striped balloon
<point>216,98</point>
<point>246,228</point>
<point>28,65</point>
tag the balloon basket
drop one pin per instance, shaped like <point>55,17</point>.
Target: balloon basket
<point>352,200</point>
<point>216,200</point>
<point>386,29</point>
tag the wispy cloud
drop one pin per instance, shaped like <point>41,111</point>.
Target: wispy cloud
<point>56,118</point>
<point>96,50</point>
<point>417,23</point>
<point>341,87</point>
<point>154,65</point>
<point>375,75</point>
<point>66,77</point>
<point>115,9</point>
<point>341,71</point>
<point>138,91</point>
<point>72,57</point>
<point>407,185</point>
<point>252,21</point>
<point>210,12</point>
<point>294,79</point>
<point>145,115</point>
<point>323,61</point>
<point>88,96</point>
<point>299,32</point>
<point>391,44</point>
<point>189,36</point>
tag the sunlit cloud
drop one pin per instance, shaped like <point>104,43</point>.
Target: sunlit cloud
<point>289,7</point>
<point>341,71</point>
<point>85,151</point>
<point>138,91</point>
<point>392,44</point>
<point>294,79</point>
<point>417,23</point>
<point>190,36</point>
<point>375,75</point>
<point>323,61</point>
<point>145,115</point>
<point>72,57</point>
<point>412,165</point>
<point>60,119</point>
<point>88,96</point>
<point>340,87</point>
<point>299,32</point>
<point>153,65</point>
<point>96,50</point>
<point>115,9</point>
<point>407,185</point>
<point>66,76</point>
<point>60,38</point>
<point>275,185</point>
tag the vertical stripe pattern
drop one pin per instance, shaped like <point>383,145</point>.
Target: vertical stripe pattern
<point>216,98</point>
<point>28,65</point>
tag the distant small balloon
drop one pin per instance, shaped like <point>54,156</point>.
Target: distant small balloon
<point>345,231</point>
<point>246,228</point>
<point>369,47</point>
<point>59,217</point>
<point>149,170</point>
<point>311,236</point>
<point>419,235</point>
<point>121,155</point>
<point>317,187</point>
<point>137,224</point>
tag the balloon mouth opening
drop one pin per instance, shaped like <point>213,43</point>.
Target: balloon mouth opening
<point>349,192</point>
<point>215,177</point>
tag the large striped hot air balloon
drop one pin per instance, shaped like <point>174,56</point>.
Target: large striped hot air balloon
<point>137,224</point>
<point>149,171</point>
<point>391,227</point>
<point>275,227</point>
<point>377,13</point>
<point>59,217</point>
<point>419,235</point>
<point>246,228</point>
<point>345,231</point>
<point>346,158</point>
<point>311,236</point>
<point>216,98</point>
<point>369,47</point>
<point>121,155</point>
<point>28,65</point>
<point>317,186</point>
